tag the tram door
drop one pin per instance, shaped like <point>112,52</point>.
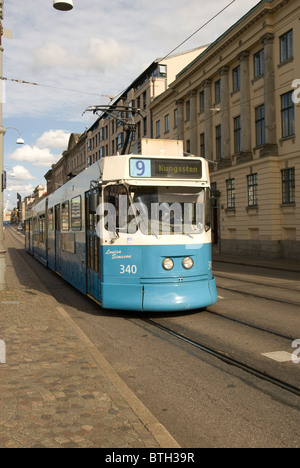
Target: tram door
<point>93,246</point>
<point>57,240</point>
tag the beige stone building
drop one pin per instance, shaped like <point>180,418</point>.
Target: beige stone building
<point>235,104</point>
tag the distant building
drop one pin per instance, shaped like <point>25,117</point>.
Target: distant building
<point>234,106</point>
<point>72,162</point>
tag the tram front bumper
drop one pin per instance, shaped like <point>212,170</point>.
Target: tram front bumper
<point>181,296</point>
<point>160,297</point>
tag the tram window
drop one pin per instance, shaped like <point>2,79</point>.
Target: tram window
<point>42,229</point>
<point>35,229</point>
<point>118,218</point>
<point>65,222</point>
<point>50,220</point>
<point>76,222</point>
<point>169,211</point>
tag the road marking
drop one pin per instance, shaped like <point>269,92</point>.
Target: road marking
<point>10,303</point>
<point>279,356</point>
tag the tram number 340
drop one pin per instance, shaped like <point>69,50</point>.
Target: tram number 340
<point>130,269</point>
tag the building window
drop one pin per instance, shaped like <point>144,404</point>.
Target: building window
<point>167,123</point>
<point>202,105</point>
<point>120,141</point>
<point>259,63</point>
<point>287,115</point>
<point>175,118</point>
<point>218,91</point>
<point>252,190</point>
<point>158,129</point>
<point>237,134</point>
<point>236,79</point>
<point>286,46</point>
<point>145,126</point>
<point>260,125</point>
<point>288,186</point>
<point>138,129</point>
<point>202,145</point>
<point>188,111</point>
<point>219,142</point>
<point>145,100</point>
<point>230,185</point>
<point>188,146</point>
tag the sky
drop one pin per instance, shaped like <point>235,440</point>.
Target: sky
<point>76,58</point>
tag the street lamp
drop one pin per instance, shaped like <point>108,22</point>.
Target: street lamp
<point>63,5</point>
<point>20,140</point>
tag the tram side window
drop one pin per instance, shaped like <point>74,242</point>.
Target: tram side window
<point>35,229</point>
<point>65,221</point>
<point>50,220</point>
<point>42,229</point>
<point>76,219</point>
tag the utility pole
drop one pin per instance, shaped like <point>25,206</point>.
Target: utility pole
<point>2,133</point>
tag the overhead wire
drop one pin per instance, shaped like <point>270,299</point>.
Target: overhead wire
<point>120,94</point>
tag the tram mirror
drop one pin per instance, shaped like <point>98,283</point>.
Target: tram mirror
<point>93,203</point>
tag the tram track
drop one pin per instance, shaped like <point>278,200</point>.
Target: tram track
<point>218,354</point>
<point>250,325</point>
<point>255,294</point>
<point>260,296</point>
<point>226,358</point>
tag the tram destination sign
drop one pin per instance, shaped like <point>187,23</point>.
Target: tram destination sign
<point>165,168</point>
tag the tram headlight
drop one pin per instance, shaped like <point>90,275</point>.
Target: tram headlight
<point>168,264</point>
<point>187,263</point>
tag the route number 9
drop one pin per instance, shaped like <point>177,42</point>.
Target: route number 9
<point>140,167</point>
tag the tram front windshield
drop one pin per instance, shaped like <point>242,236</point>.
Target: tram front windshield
<point>171,210</point>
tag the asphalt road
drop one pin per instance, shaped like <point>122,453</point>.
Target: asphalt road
<point>201,400</point>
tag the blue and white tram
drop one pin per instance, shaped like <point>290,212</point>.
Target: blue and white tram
<point>132,232</point>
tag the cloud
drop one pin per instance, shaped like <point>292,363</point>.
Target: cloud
<point>54,139</point>
<point>99,55</point>
<point>21,188</point>
<point>20,173</point>
<point>41,157</point>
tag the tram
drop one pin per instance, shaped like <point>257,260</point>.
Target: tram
<point>132,232</point>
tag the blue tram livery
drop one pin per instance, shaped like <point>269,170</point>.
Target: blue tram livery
<point>133,232</point>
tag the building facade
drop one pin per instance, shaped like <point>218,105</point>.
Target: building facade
<point>107,136</point>
<point>237,105</point>
<point>72,162</point>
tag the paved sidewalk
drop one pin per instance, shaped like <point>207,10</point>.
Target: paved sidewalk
<point>56,389</point>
